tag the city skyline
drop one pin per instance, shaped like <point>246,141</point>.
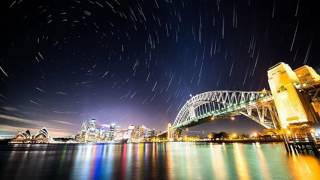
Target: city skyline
<point>137,63</point>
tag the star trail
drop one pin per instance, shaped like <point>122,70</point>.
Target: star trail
<point>138,61</point>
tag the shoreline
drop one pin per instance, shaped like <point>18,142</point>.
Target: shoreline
<point>245,141</point>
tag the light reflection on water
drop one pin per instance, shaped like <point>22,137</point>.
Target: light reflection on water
<point>155,161</point>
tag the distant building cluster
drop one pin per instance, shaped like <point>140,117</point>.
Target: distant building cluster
<point>91,132</point>
<point>141,133</point>
<point>26,137</point>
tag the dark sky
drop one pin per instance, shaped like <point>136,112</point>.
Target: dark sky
<point>137,61</point>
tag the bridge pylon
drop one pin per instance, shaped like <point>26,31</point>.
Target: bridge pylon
<point>170,132</point>
<point>285,85</point>
<point>173,133</point>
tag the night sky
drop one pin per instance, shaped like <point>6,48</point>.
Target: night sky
<point>138,61</point>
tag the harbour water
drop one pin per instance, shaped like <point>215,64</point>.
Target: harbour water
<point>155,161</point>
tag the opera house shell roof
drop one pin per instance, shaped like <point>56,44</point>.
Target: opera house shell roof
<point>26,137</point>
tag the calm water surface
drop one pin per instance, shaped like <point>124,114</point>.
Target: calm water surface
<point>155,161</point>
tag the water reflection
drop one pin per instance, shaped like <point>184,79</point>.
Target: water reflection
<point>218,161</point>
<point>304,167</point>
<point>262,162</point>
<point>155,161</point>
<point>241,163</point>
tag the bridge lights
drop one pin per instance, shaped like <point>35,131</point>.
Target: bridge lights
<point>232,118</point>
<point>212,118</point>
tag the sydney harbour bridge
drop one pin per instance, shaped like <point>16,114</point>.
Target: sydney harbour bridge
<point>293,100</point>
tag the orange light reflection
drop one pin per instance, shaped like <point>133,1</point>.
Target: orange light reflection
<point>241,165</point>
<point>304,167</point>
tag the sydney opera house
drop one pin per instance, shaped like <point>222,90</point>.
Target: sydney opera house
<point>26,137</point>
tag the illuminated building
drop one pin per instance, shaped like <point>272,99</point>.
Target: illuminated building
<point>102,133</point>
<point>128,133</point>
<point>111,132</point>
<point>138,134</point>
<point>89,131</point>
<point>150,133</point>
<point>25,137</point>
<point>22,137</point>
<point>92,131</point>
<point>42,136</point>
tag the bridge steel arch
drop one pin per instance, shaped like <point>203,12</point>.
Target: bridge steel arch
<point>256,105</point>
